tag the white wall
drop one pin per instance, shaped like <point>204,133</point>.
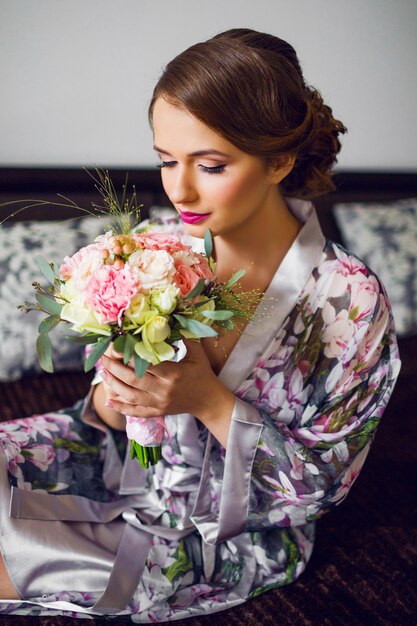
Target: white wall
<point>76,76</point>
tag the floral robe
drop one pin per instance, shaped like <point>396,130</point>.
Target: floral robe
<point>84,530</point>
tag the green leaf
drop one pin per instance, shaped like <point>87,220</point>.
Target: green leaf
<point>129,348</point>
<point>98,350</point>
<point>84,339</point>
<point>199,329</point>
<point>196,290</point>
<point>235,278</point>
<point>44,350</point>
<point>49,304</point>
<point>208,243</point>
<point>48,324</point>
<point>217,315</point>
<point>119,343</point>
<point>140,365</point>
<point>45,268</point>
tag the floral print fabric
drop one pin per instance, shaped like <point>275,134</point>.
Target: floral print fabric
<point>319,391</point>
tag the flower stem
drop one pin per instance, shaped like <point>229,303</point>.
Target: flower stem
<point>145,455</point>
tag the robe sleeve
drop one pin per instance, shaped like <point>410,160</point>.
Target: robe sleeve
<point>304,420</point>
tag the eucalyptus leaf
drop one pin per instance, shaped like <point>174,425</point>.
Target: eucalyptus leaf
<point>48,324</point>
<point>235,278</point>
<point>199,329</point>
<point>196,290</point>
<point>140,365</point>
<point>45,268</point>
<point>129,348</point>
<point>49,304</point>
<point>119,343</point>
<point>98,351</point>
<point>217,315</point>
<point>83,339</point>
<point>44,350</point>
<point>208,243</point>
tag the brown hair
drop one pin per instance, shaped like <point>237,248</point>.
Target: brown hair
<point>248,87</point>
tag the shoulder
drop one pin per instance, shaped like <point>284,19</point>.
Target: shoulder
<point>347,300</point>
<point>342,276</point>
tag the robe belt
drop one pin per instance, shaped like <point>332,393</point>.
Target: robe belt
<point>134,545</point>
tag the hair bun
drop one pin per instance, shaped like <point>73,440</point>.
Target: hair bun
<point>311,175</point>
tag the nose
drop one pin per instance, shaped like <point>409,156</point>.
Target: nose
<point>181,188</point>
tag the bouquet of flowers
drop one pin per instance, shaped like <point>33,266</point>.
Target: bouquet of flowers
<point>143,291</point>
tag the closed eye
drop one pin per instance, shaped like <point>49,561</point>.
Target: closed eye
<point>165,164</point>
<point>217,169</point>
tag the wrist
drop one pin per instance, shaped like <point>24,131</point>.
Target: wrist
<point>217,406</point>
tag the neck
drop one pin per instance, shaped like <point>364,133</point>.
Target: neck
<point>260,244</point>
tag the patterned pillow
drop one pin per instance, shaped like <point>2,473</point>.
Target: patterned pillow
<point>20,243</point>
<point>384,236</point>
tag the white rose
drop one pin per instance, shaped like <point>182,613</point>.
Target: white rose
<point>137,306</point>
<point>165,300</point>
<point>153,268</point>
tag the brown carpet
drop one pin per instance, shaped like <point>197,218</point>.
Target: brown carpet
<point>364,566</point>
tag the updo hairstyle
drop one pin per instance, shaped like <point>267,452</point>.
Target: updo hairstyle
<point>249,87</point>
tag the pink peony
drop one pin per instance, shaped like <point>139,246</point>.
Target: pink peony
<point>185,277</point>
<point>109,292</point>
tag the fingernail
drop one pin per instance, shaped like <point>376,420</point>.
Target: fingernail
<point>109,403</point>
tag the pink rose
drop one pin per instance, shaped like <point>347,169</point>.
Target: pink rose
<point>109,292</point>
<point>160,241</point>
<point>185,277</point>
<point>202,269</point>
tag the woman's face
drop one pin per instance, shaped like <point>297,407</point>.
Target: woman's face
<point>210,182</point>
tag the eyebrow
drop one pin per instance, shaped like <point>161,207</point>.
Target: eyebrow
<point>197,153</point>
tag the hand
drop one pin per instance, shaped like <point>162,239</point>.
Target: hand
<point>189,386</point>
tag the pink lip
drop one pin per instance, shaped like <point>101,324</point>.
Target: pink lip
<point>193,218</point>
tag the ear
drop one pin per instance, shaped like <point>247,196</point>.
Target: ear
<point>280,170</point>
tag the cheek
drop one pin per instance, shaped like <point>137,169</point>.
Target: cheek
<point>238,189</point>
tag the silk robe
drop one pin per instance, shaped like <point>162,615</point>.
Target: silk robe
<point>85,530</point>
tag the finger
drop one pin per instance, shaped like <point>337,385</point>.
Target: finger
<point>131,395</point>
<point>133,409</point>
<point>121,371</point>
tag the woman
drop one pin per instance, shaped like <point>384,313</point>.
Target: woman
<point>270,425</point>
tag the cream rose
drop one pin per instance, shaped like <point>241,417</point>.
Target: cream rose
<point>165,300</point>
<point>153,268</point>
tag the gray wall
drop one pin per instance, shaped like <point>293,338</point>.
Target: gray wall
<point>76,75</point>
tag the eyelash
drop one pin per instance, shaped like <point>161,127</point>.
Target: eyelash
<point>217,169</point>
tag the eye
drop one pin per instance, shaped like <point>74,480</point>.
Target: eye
<point>217,169</point>
<point>165,164</point>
